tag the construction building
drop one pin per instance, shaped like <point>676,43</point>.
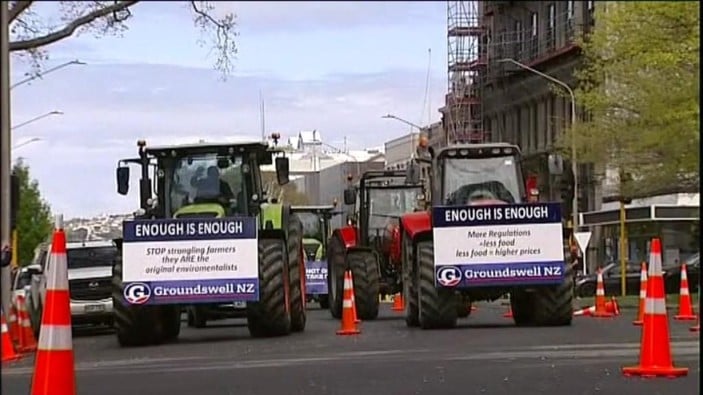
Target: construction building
<point>494,97</point>
<point>501,57</point>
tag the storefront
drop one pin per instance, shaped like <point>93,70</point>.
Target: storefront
<point>678,227</point>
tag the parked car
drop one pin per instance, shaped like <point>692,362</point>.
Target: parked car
<point>89,282</point>
<point>22,281</point>
<point>586,285</point>
<point>672,275</point>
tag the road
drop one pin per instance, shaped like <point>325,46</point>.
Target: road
<point>485,355</point>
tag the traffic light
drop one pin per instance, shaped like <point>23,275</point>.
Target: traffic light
<point>14,199</point>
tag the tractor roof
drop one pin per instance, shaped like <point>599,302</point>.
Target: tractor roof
<point>221,148</point>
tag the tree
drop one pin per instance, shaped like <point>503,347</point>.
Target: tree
<point>31,34</point>
<point>287,193</point>
<point>639,87</point>
<point>34,223</point>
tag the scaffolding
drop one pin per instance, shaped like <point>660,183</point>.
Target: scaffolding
<point>466,44</point>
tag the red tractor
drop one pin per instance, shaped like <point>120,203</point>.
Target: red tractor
<point>480,237</point>
<point>369,245</point>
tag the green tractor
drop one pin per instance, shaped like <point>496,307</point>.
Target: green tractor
<point>207,235</point>
<point>316,232</point>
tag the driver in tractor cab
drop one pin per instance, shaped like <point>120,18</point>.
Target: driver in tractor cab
<point>211,187</point>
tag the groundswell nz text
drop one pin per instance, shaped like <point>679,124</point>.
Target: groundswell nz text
<point>199,289</point>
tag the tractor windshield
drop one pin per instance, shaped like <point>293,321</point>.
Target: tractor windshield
<point>469,180</point>
<point>312,225</point>
<point>387,204</point>
<point>207,180</point>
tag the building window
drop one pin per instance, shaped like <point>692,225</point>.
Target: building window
<point>570,9</point>
<point>520,36</point>
<point>534,26</point>
<point>590,5</point>
<point>552,16</point>
<point>534,136</point>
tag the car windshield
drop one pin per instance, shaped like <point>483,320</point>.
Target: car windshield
<point>387,204</point>
<point>312,225</point>
<point>206,179</point>
<point>79,258</point>
<point>467,180</point>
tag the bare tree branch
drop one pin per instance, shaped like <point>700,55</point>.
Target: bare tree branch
<point>69,29</point>
<point>19,7</point>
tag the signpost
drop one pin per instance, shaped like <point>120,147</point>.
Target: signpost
<point>582,239</point>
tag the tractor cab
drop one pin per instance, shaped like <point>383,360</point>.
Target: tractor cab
<point>205,180</point>
<point>384,196</point>
<point>473,174</point>
<point>316,233</point>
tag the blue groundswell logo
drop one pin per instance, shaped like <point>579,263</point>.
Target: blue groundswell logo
<point>137,293</point>
<point>448,276</point>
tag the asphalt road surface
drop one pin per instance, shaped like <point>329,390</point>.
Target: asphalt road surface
<point>486,355</point>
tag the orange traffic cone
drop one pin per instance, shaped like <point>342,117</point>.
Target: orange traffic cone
<point>54,370</point>
<point>585,312</point>
<point>13,324</point>
<point>398,304</point>
<point>655,349</point>
<point>601,311</point>
<point>643,294</point>
<point>509,313</point>
<point>27,341</point>
<point>353,300</point>
<point>348,317</point>
<point>685,306</point>
<point>8,349</point>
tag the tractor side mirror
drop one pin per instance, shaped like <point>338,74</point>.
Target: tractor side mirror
<point>412,174</point>
<point>282,170</point>
<point>349,196</point>
<point>555,164</point>
<point>123,180</point>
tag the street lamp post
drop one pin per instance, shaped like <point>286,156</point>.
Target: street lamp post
<point>30,141</point>
<point>35,119</point>
<point>574,166</point>
<point>405,121</point>
<point>5,153</point>
<point>48,71</point>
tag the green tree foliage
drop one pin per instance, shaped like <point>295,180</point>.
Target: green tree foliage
<point>640,88</point>
<point>34,223</point>
<point>287,193</point>
<point>32,31</point>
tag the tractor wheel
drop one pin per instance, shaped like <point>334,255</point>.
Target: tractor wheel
<point>134,325</point>
<point>437,306</point>
<point>196,316</point>
<point>409,283</point>
<point>553,305</point>
<point>270,316</point>
<point>296,270</point>
<point>366,278</point>
<point>336,266</point>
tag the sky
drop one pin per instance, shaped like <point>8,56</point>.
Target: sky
<point>336,67</point>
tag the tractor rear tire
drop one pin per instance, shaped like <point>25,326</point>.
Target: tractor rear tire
<point>463,306</point>
<point>296,270</point>
<point>409,284</point>
<point>270,316</point>
<point>366,278</point>
<point>134,325</point>
<point>336,265</point>
<point>437,306</point>
<point>171,319</point>
<point>553,305</point>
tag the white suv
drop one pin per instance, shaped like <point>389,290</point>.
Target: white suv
<point>89,282</point>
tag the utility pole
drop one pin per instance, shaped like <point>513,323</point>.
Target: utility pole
<point>5,154</point>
